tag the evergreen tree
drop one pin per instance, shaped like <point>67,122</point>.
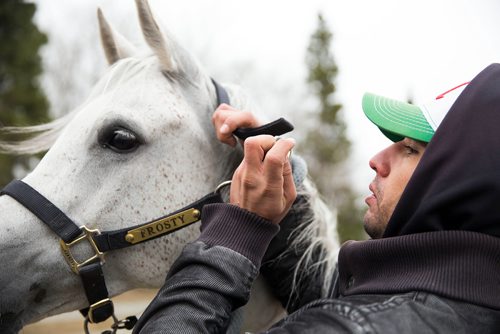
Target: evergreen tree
<point>22,101</point>
<point>326,145</point>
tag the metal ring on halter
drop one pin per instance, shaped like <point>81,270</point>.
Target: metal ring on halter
<point>112,331</point>
<point>222,185</point>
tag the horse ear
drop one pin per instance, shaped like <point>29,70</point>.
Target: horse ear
<point>115,45</point>
<point>154,36</point>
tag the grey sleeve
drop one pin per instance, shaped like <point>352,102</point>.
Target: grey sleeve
<point>203,287</point>
<point>212,277</point>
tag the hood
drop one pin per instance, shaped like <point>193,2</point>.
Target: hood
<point>456,185</point>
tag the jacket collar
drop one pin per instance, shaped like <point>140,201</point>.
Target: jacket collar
<point>460,265</point>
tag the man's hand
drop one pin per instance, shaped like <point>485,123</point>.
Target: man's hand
<point>227,119</point>
<point>263,183</point>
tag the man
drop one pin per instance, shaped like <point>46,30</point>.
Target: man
<point>434,263</point>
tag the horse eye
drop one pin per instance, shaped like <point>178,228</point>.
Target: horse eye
<point>121,140</point>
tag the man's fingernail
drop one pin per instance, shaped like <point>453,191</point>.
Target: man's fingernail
<point>224,128</point>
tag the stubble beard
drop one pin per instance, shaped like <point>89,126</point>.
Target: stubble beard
<point>373,227</point>
<point>376,219</point>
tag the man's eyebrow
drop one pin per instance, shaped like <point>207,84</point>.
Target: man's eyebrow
<point>417,142</point>
<point>420,143</point>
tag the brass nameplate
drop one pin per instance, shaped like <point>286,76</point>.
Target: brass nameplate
<point>163,226</point>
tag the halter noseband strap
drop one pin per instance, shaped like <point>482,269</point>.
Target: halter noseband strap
<point>43,209</point>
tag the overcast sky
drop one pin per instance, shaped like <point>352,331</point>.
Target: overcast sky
<point>390,47</point>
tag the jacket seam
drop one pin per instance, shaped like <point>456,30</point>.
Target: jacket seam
<point>342,309</point>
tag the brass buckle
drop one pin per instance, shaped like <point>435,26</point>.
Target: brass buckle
<point>98,305</point>
<point>86,235</point>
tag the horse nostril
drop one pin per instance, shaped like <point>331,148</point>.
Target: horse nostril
<point>40,294</point>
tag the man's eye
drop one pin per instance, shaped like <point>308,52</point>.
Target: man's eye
<point>410,150</point>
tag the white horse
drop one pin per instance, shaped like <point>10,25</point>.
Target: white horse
<point>142,145</point>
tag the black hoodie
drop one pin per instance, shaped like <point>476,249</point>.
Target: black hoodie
<point>444,235</point>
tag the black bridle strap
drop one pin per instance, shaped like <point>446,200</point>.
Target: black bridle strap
<point>108,240</point>
<point>41,207</point>
<point>221,94</point>
<point>101,307</point>
<point>160,227</point>
<point>275,128</point>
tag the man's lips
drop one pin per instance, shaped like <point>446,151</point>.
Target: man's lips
<point>372,189</point>
<point>372,198</point>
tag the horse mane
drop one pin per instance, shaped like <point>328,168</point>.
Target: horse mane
<point>33,139</point>
<point>317,233</point>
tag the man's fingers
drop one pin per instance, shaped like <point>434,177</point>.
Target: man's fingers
<point>275,160</point>
<point>226,120</point>
<point>240,119</point>
<point>255,150</point>
<point>263,182</point>
<point>289,189</point>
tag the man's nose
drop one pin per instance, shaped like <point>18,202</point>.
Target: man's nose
<point>380,163</point>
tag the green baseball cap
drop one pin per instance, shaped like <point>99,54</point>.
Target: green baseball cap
<point>397,119</point>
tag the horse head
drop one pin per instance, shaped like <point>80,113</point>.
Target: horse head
<point>142,145</point>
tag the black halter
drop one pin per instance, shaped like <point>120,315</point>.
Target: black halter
<point>90,270</point>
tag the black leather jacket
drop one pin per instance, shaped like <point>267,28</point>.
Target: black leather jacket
<point>213,277</point>
<point>412,312</point>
